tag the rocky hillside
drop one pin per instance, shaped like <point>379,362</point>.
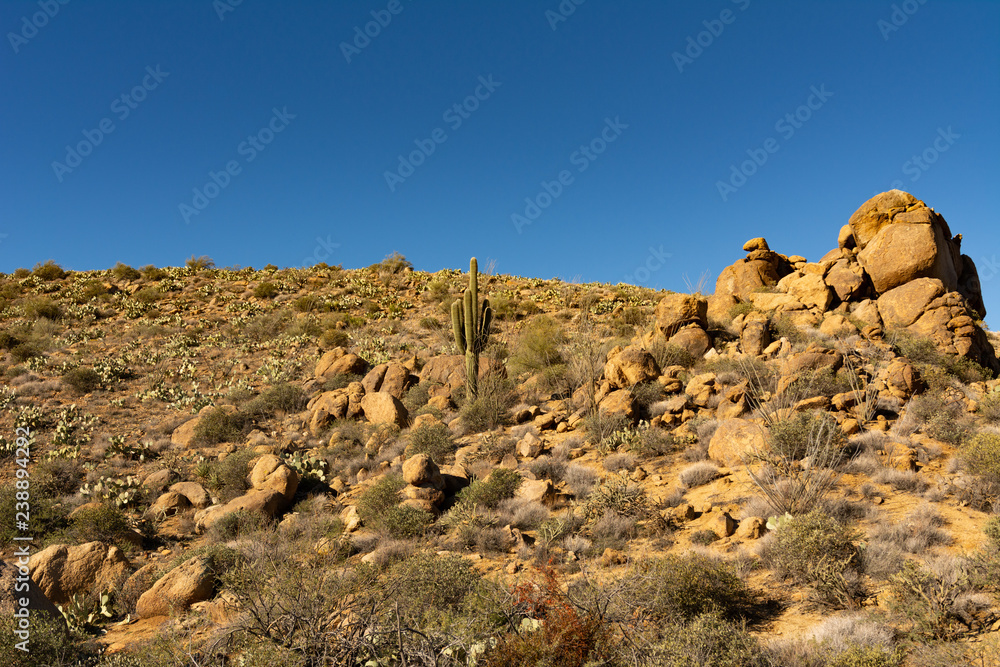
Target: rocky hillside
<point>387,467</point>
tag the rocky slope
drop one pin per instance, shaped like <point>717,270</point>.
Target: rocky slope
<point>189,421</point>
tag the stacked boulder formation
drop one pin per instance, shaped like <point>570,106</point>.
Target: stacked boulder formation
<point>897,266</point>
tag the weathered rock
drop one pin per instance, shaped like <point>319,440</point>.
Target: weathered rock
<point>761,268</point>
<point>755,333</point>
<point>62,571</point>
<point>629,367</point>
<point>756,244</point>
<point>902,379</point>
<point>267,503</point>
<point>183,435</point>
<point>722,524</point>
<point>194,492</point>
<point>902,306</point>
<point>734,440</point>
<point>12,591</point>
<point>161,479</point>
<point>529,446</point>
<point>384,408</point>
<point>812,359</point>
<point>693,339</point>
<point>809,289</point>
<point>168,504</point>
<point>189,582</point>
<point>373,380</point>
<point>752,528</point>
<point>847,280</point>
<point>339,361</point>
<point>327,407</point>
<point>675,311</point>
<point>537,490</point>
<point>397,380</point>
<point>838,326</point>
<point>700,389</point>
<point>619,402</point>
<point>421,470</point>
<point>271,473</point>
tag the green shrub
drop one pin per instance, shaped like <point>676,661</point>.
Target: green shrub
<point>491,408</point>
<point>241,523</point>
<point>379,508</point>
<point>677,588</point>
<point>992,531</point>
<point>82,380</point>
<point>102,523</point>
<point>392,264</point>
<point>282,397</point>
<point>618,495</point>
<point>433,439</point>
<point>152,273</point>
<point>671,354</point>
<point>707,640</point>
<point>24,351</point>
<point>48,518</point>
<point>228,477</point>
<point>42,307</point>
<point>430,583</point>
<point>125,272</point>
<point>331,338</point>
<point>800,544</point>
<point>340,381</point>
<point>741,308</point>
<point>49,271</point>
<point>981,454</point>
<point>502,483</point>
<point>8,341</point>
<point>928,597</point>
<point>56,477</point>
<point>866,656</point>
<point>199,263</point>
<point>789,437</point>
<point>538,347</point>
<point>218,425</point>
<point>49,644</point>
<point>416,397</point>
<point>266,290</point>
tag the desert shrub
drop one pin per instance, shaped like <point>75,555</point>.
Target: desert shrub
<point>784,327</point>
<point>153,273</point>
<point>789,437</point>
<point>434,439</point>
<point>102,523</point>
<point>611,530</point>
<point>219,425</point>
<point>707,639</point>
<point>82,380</point>
<point>580,480</point>
<point>331,338</point>
<point>816,550</point>
<point>989,407</point>
<point>48,271</point>
<point>57,476</point>
<point>619,495</point>
<point>901,480</point>
<point>228,477</point>
<point>24,351</point>
<point>266,290</point>
<point>677,588</point>
<point>379,508</point>
<point>392,264</point>
<point>90,289</point>
<point>48,517</point>
<point>554,631</point>
<point>282,397</point>
<point>42,307</point>
<point>741,308</point>
<point>237,524</point>
<point>992,532</point>
<point>703,537</point>
<point>502,483</point>
<point>618,462</point>
<point>492,405</point>
<point>340,381</point>
<point>199,263</point>
<point>932,598</point>
<point>538,347</point>
<point>941,418</point>
<point>915,533</point>
<point>8,341</point>
<point>698,474</point>
<point>416,397</point>
<point>49,644</point>
<point>981,454</point>
<point>524,514</point>
<point>432,587</point>
<point>123,271</point>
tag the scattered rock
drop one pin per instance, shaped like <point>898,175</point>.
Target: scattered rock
<point>189,582</point>
<point>62,571</point>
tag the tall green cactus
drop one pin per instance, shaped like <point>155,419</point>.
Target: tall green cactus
<point>471,325</point>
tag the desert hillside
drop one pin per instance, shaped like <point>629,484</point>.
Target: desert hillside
<point>383,466</point>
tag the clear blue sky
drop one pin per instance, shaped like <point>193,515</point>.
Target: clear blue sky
<point>889,90</point>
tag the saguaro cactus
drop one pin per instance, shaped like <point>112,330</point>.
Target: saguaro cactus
<point>471,324</point>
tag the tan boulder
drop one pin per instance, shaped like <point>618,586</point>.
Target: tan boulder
<point>700,388</point>
<point>194,492</point>
<point>675,311</point>
<point>373,380</point>
<point>812,358</point>
<point>845,239</point>
<point>693,339</point>
<point>755,333</point>
<point>327,407</point>
<point>267,503</point>
<point>756,244</point>
<point>900,253</point>
<point>529,446</point>
<point>397,380</point>
<point>735,440</point>
<point>537,490</point>
<point>752,528</point>
<point>809,289</point>
<point>338,362</point>
<point>384,408</point>
<point>421,470</point>
<point>444,369</point>
<point>619,402</point>
<point>903,380</point>
<point>168,504</point>
<point>838,326</point>
<point>902,306</point>
<point>62,571</point>
<point>271,473</point>
<point>13,591</point>
<point>190,582</point>
<point>183,435</point>
<point>722,524</point>
<point>630,366</point>
<point>161,479</point>
<point>879,212</point>
<point>847,280</point>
